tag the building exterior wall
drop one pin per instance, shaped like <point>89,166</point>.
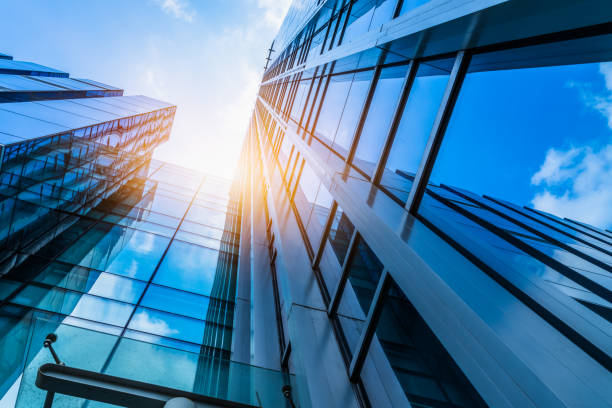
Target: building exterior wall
<point>133,263</point>
<point>404,276</point>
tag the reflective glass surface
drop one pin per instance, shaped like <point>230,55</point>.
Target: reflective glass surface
<point>341,108</point>
<point>414,128</point>
<point>188,267</point>
<point>378,119</point>
<point>425,370</point>
<point>119,250</point>
<point>541,152</point>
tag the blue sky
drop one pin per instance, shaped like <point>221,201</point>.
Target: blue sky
<point>206,56</point>
<point>540,137</point>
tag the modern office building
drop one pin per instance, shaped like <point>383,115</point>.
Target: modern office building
<point>420,217</point>
<point>406,160</point>
<point>132,263</point>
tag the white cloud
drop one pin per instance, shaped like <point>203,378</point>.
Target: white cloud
<point>587,196</point>
<point>558,166</point>
<point>177,8</point>
<point>274,11</point>
<point>577,182</point>
<point>143,322</point>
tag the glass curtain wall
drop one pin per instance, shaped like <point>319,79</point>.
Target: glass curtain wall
<point>156,262</point>
<point>524,142</point>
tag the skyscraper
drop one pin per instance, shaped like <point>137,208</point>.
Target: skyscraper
<point>407,158</point>
<point>420,217</point>
<point>130,262</point>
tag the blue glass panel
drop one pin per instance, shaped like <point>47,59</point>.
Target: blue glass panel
<point>545,141</point>
<point>167,325</point>
<point>206,216</point>
<point>340,234</point>
<point>408,5</point>
<point>359,20</point>
<point>351,112</point>
<point>26,127</point>
<point>119,250</point>
<point>333,104</point>
<point>176,301</point>
<point>414,129</point>
<point>365,270</point>
<point>78,109</point>
<point>424,369</point>
<point>188,267</point>
<point>75,304</point>
<point>378,120</point>
<point>92,282</point>
<point>23,83</point>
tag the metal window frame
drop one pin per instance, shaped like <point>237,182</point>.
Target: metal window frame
<point>462,61</point>
<point>334,302</point>
<point>395,122</point>
<point>371,322</point>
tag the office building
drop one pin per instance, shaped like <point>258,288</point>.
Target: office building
<point>432,183</point>
<point>420,217</point>
<point>129,261</point>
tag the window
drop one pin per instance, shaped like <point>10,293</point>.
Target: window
<point>378,119</point>
<point>426,372</point>
<point>190,267</point>
<point>341,109</point>
<point>415,126</point>
<point>364,270</point>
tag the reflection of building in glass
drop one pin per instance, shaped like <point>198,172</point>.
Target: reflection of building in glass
<point>388,144</point>
<point>130,261</point>
<point>373,249</point>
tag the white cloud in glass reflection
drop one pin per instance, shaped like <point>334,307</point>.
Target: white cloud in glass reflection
<point>143,322</point>
<point>578,180</point>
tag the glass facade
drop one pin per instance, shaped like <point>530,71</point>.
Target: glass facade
<point>420,218</point>
<point>120,255</point>
<point>458,175</point>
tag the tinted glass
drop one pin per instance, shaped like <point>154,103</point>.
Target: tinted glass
<point>415,126</point>
<point>188,267</point>
<point>423,367</point>
<point>378,119</point>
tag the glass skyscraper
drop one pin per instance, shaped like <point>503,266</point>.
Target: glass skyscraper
<point>421,217</point>
<point>427,176</point>
<point>131,262</point>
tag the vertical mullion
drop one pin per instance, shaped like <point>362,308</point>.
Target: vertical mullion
<point>370,326</point>
<point>364,112</point>
<point>326,229</point>
<point>327,78</point>
<point>437,132</point>
<point>397,117</point>
<point>335,299</point>
<point>307,100</point>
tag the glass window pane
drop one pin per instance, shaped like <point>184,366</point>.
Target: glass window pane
<point>379,117</point>
<point>351,112</point>
<point>551,156</point>
<point>408,5</point>
<point>206,216</point>
<point>191,267</point>
<point>176,301</point>
<point>425,370</point>
<point>168,325</point>
<point>92,282</point>
<point>364,272</point>
<point>340,234</point>
<point>415,126</point>
<point>117,249</point>
<point>333,104</point>
<point>306,192</point>
<point>359,20</point>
